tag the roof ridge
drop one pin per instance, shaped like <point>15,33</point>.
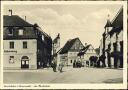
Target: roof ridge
<point>68,45</point>
<point>15,20</point>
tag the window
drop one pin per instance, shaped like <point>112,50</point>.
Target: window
<point>11,59</point>
<point>23,62</point>
<point>42,37</point>
<point>39,63</point>
<point>71,61</point>
<point>20,31</point>
<point>10,31</point>
<point>27,62</point>
<point>11,45</point>
<point>24,44</point>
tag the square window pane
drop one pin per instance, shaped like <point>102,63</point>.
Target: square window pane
<point>27,62</point>
<point>11,45</point>
<point>20,32</point>
<point>23,62</point>
<point>24,44</point>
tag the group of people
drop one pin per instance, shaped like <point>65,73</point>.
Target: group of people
<point>77,64</point>
<point>55,66</point>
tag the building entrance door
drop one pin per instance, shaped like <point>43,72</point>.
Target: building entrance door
<point>25,62</point>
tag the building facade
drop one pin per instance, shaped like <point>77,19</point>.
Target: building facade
<point>70,50</point>
<point>44,48</point>
<point>111,47</point>
<point>85,54</point>
<point>24,44</point>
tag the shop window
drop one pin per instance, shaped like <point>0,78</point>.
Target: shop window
<point>11,45</point>
<point>11,59</point>
<point>24,44</point>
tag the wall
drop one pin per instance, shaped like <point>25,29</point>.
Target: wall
<point>64,58</point>
<point>18,52</point>
<point>72,56</point>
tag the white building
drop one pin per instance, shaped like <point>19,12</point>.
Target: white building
<point>24,45</point>
<point>20,54</point>
<point>70,50</point>
<point>85,54</point>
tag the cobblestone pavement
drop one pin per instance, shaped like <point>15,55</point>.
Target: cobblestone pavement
<point>69,75</point>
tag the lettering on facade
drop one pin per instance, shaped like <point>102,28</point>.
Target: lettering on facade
<point>8,51</point>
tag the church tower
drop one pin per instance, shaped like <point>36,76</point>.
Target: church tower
<point>108,25</point>
<point>56,44</point>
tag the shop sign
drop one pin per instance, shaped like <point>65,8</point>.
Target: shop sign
<point>10,51</point>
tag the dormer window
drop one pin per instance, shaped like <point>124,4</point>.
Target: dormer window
<point>10,31</point>
<point>20,31</point>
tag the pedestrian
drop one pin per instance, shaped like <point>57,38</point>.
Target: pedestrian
<point>61,65</point>
<point>74,64</point>
<point>54,66</point>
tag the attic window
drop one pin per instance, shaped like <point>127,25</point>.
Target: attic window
<point>20,31</point>
<point>10,31</point>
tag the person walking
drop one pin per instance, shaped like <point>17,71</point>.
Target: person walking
<point>74,64</point>
<point>61,65</point>
<point>54,65</point>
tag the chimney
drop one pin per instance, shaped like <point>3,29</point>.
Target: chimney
<point>25,18</point>
<point>85,44</point>
<point>10,12</point>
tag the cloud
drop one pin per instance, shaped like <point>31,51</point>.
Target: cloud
<point>66,24</point>
<point>88,26</point>
<point>101,13</point>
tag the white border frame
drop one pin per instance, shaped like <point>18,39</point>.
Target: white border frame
<point>68,86</point>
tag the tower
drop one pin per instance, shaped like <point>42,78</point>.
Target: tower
<point>56,44</point>
<point>108,25</point>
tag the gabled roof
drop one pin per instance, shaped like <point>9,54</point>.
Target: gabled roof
<point>117,23</point>
<point>41,31</point>
<point>83,51</point>
<point>68,45</point>
<point>15,20</point>
<point>29,29</point>
<point>57,52</point>
<point>108,24</point>
<point>118,19</point>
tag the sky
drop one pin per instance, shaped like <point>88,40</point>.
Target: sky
<point>85,21</point>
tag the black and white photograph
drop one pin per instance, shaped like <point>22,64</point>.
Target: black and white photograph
<point>63,43</point>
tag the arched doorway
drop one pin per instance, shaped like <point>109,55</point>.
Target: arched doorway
<point>25,62</point>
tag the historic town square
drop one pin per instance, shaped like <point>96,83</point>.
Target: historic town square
<point>63,43</point>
